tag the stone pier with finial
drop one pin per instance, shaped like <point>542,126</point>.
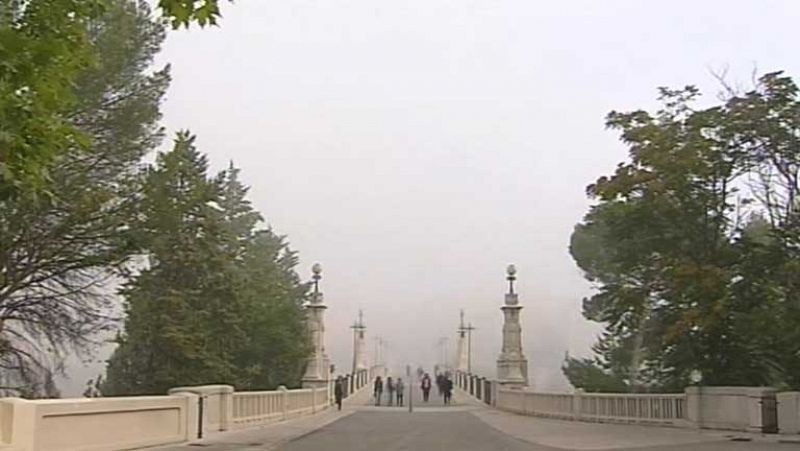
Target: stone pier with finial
<point>318,365</point>
<point>359,344</point>
<point>512,366</point>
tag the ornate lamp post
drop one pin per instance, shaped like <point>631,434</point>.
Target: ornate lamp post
<point>359,347</point>
<point>318,364</point>
<point>512,366</point>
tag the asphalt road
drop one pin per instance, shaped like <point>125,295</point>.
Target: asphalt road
<point>395,430</point>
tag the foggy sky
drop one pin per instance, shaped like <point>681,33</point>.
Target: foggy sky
<point>415,148</point>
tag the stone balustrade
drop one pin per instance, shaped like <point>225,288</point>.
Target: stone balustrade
<point>186,413</point>
<point>660,409</point>
<point>750,409</point>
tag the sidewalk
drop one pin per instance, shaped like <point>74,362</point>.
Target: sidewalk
<point>273,435</point>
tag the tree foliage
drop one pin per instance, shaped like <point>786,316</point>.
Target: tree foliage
<point>58,252</point>
<point>690,274</point>
<point>218,301</point>
<point>45,45</point>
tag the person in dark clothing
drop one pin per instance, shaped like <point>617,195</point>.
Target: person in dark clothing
<point>400,388</point>
<point>425,385</point>
<point>338,391</point>
<point>377,390</point>
<point>447,388</point>
<point>440,383</point>
<point>390,390</point>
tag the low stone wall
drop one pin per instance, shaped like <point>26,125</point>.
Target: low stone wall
<point>788,412</point>
<point>734,408</point>
<point>120,423</point>
<point>660,409</point>
<point>750,409</point>
<point>97,424</point>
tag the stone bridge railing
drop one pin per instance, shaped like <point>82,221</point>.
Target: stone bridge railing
<point>129,422</point>
<point>732,408</point>
<point>660,409</point>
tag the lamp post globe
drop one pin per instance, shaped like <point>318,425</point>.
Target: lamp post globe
<point>511,270</point>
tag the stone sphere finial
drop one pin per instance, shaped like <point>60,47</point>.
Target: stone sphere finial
<point>511,270</point>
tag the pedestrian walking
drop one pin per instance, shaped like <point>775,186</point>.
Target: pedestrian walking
<point>400,387</point>
<point>425,385</point>
<point>447,388</point>
<point>338,391</point>
<point>390,389</point>
<point>377,390</point>
<point>440,383</point>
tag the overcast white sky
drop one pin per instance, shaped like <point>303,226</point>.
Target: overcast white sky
<point>417,147</point>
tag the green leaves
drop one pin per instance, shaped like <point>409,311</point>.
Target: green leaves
<point>181,13</point>
<point>59,250</point>
<point>671,241</point>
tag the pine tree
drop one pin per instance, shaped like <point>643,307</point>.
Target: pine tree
<point>219,301</point>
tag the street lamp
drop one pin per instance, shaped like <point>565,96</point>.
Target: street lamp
<point>511,270</point>
<point>316,269</point>
<point>469,330</point>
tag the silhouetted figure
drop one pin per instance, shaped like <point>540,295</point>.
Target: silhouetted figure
<point>338,391</point>
<point>400,387</point>
<point>377,390</point>
<point>390,389</point>
<point>440,383</point>
<point>425,385</point>
<point>447,388</point>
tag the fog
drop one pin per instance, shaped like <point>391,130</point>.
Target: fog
<point>415,148</point>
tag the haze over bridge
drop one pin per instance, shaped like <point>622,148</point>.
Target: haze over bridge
<point>503,412</point>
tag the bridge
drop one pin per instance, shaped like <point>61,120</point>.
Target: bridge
<point>502,412</point>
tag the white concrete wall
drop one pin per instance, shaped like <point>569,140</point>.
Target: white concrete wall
<point>217,405</point>
<point>732,408</point>
<point>97,424</point>
<point>789,412</point>
<point>660,409</point>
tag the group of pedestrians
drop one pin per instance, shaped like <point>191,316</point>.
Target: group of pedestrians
<point>395,389</point>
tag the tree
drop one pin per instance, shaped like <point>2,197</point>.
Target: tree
<point>587,374</point>
<point>184,12</point>
<point>59,253</point>
<point>218,301</point>
<point>671,244</point>
<point>45,45</point>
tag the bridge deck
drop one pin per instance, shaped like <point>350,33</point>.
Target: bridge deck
<point>466,425</point>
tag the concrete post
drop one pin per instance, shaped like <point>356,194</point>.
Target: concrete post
<point>192,414</point>
<point>577,406</point>
<point>512,366</point>
<point>788,412</point>
<point>217,405</point>
<point>23,417</point>
<point>284,401</point>
<point>694,403</point>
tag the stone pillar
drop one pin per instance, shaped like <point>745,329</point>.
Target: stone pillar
<point>512,366</point>
<point>318,365</point>
<point>359,344</point>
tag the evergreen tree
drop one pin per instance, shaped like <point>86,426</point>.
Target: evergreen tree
<point>219,301</point>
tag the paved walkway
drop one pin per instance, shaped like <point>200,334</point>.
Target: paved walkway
<point>469,426</point>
